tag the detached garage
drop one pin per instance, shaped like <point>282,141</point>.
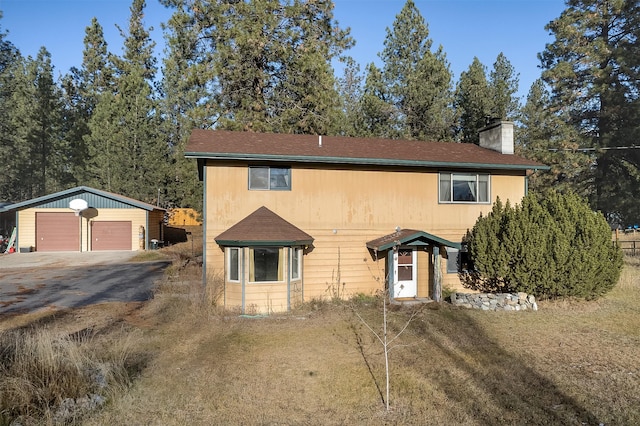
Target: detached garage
<point>86,219</point>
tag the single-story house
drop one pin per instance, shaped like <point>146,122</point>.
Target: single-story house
<point>289,218</point>
<point>85,219</point>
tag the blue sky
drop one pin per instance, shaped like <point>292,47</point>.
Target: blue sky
<point>465,28</point>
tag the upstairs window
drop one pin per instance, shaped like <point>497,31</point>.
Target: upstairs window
<point>270,178</point>
<point>464,188</point>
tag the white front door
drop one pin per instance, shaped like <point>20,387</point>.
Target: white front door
<point>404,273</point>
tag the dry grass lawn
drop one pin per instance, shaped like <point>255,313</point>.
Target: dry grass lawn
<point>568,363</point>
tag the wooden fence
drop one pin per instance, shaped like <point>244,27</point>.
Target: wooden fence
<point>630,247</point>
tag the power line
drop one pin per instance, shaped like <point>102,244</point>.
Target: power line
<point>594,149</point>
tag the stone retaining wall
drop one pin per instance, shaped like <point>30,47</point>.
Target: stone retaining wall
<point>495,301</point>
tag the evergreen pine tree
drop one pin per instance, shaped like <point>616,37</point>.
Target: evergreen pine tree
<point>265,64</point>
<point>473,101</point>
<point>350,89</point>
<point>592,68</point>
<point>545,136</point>
<point>81,89</point>
<point>10,67</point>
<point>380,118</point>
<point>36,128</point>
<point>129,152</point>
<point>503,85</point>
<point>416,80</point>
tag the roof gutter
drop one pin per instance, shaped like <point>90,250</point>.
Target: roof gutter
<point>360,161</point>
<point>262,243</point>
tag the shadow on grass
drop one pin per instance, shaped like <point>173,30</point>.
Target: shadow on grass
<point>484,380</point>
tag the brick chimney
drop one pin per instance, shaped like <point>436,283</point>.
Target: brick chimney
<point>498,136</point>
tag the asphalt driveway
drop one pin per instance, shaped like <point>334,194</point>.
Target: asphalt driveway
<point>31,282</point>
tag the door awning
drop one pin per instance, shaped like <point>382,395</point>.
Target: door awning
<point>409,237</point>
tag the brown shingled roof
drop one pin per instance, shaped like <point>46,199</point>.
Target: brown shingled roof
<point>263,227</point>
<point>221,144</point>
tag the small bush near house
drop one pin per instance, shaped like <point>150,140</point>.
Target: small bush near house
<point>551,245</point>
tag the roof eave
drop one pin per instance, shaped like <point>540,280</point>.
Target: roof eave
<point>418,236</point>
<point>130,201</point>
<point>262,243</point>
<point>360,161</point>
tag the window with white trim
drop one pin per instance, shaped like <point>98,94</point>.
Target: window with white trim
<point>233,263</point>
<point>269,178</point>
<point>463,188</point>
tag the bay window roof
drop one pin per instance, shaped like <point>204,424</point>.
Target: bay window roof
<point>264,228</point>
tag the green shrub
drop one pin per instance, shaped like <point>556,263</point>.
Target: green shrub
<point>552,246</point>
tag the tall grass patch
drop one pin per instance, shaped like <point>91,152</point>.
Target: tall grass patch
<point>49,376</point>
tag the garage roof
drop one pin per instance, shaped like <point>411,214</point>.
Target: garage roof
<point>94,197</point>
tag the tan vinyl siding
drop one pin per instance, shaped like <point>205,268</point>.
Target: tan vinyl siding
<point>296,293</point>
<point>343,209</point>
<point>265,298</point>
<point>233,294</point>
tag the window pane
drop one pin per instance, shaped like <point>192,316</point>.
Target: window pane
<point>280,178</point>
<point>295,263</point>
<point>464,188</point>
<point>453,260</point>
<point>405,265</point>
<point>405,272</point>
<point>258,178</point>
<point>233,264</point>
<point>483,188</point>
<point>266,262</point>
<point>445,187</point>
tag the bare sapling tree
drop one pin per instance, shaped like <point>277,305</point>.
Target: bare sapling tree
<point>387,338</point>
